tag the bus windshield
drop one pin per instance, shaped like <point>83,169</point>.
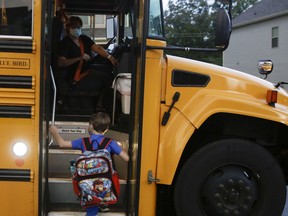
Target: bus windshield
<point>155,19</point>
<point>16,18</point>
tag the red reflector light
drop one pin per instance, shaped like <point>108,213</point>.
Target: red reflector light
<point>271,97</point>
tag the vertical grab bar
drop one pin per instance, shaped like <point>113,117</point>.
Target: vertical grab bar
<point>54,101</point>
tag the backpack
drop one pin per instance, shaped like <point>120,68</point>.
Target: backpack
<point>95,181</point>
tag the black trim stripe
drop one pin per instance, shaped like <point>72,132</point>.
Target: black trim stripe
<point>15,111</point>
<point>15,175</point>
<point>15,81</point>
<point>18,46</point>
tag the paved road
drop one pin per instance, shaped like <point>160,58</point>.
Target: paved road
<point>285,212</point>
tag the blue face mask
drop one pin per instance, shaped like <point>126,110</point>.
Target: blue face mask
<point>75,32</point>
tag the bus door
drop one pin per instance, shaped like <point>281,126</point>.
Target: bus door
<point>122,107</point>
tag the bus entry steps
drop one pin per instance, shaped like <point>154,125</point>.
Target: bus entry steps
<point>71,209</point>
<point>83,214</point>
<point>61,190</point>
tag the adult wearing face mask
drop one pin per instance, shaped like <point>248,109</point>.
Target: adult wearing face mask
<point>75,50</point>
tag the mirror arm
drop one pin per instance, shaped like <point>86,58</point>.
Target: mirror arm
<point>280,83</point>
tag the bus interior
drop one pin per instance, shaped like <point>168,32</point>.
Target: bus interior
<point>72,101</point>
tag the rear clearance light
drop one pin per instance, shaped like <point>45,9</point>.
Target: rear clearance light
<point>271,97</point>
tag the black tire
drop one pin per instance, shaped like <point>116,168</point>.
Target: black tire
<point>230,177</point>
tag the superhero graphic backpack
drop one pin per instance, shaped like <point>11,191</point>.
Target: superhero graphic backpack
<point>95,181</point>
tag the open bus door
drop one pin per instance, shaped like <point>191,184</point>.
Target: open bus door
<point>72,121</point>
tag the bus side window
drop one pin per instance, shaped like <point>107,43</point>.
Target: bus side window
<point>16,18</point>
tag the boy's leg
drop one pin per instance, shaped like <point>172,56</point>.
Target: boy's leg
<point>104,208</point>
<point>92,211</point>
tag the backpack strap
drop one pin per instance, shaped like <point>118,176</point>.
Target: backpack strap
<point>105,142</point>
<point>89,147</point>
<point>103,145</point>
<point>87,144</point>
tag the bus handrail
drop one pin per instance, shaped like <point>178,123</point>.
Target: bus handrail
<point>54,101</point>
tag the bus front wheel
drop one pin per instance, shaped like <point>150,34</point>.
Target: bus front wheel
<point>230,177</point>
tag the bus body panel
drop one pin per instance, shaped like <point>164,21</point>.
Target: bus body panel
<point>18,187</point>
<point>18,198</point>
<point>20,174</point>
<point>197,104</point>
<point>151,115</point>
<point>173,139</point>
<point>238,93</point>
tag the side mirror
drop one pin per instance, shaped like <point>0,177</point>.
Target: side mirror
<point>110,27</point>
<point>265,67</point>
<point>223,29</point>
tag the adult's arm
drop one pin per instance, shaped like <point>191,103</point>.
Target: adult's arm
<point>65,62</point>
<point>101,51</point>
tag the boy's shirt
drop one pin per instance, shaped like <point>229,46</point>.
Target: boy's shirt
<point>96,139</point>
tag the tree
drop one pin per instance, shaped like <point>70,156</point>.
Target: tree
<point>240,6</point>
<point>190,23</point>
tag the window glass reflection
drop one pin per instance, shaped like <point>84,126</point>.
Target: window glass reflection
<point>16,18</point>
<point>155,19</point>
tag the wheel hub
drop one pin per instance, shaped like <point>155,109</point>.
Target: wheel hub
<point>229,190</point>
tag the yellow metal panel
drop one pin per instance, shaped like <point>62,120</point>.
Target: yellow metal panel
<point>228,91</point>
<point>12,131</point>
<point>17,97</point>
<point>16,198</point>
<point>174,137</point>
<point>150,132</point>
<point>36,70</point>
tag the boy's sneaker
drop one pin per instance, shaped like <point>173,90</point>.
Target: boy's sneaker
<point>104,208</point>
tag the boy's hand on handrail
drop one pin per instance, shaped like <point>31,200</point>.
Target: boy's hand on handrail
<point>53,129</point>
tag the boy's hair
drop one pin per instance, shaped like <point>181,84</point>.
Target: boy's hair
<point>100,121</point>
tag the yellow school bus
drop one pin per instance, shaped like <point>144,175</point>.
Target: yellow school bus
<point>203,139</point>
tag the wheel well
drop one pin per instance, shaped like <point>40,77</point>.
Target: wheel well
<point>272,135</point>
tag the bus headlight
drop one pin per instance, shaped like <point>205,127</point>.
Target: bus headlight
<point>20,149</point>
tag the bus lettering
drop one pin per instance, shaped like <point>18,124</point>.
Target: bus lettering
<point>15,63</point>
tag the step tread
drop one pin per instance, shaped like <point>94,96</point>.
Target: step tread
<point>68,213</point>
<point>55,149</point>
<point>67,178</point>
<point>76,210</point>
